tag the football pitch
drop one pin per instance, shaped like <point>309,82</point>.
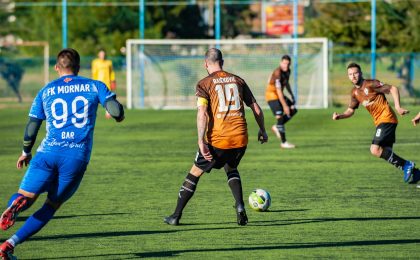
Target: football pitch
<point>330,197</point>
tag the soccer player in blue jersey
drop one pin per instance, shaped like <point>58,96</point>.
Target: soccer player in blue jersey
<point>68,105</point>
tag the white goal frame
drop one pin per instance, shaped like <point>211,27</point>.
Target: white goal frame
<point>131,42</point>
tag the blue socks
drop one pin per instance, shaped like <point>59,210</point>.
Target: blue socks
<point>12,198</point>
<point>33,224</point>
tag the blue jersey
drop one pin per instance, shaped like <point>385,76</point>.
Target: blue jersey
<point>69,105</point>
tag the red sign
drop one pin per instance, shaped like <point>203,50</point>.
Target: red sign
<point>279,19</point>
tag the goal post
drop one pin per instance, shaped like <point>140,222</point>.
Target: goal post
<point>162,74</point>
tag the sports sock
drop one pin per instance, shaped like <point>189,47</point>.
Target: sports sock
<point>185,193</point>
<point>234,182</point>
<point>12,198</point>
<point>33,224</point>
<point>281,129</point>
<point>287,118</point>
<point>389,156</point>
<point>17,195</point>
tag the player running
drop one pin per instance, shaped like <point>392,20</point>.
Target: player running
<point>371,94</point>
<point>68,105</point>
<point>220,101</point>
<point>282,107</point>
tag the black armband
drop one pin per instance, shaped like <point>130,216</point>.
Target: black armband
<point>114,108</point>
<point>31,131</point>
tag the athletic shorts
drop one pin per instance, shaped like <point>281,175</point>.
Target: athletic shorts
<point>231,157</point>
<point>276,106</point>
<point>59,176</point>
<point>385,135</point>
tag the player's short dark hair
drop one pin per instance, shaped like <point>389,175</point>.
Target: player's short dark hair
<point>214,55</point>
<point>69,59</point>
<point>286,57</point>
<point>354,65</point>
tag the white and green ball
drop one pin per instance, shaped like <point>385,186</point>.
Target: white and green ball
<point>259,200</point>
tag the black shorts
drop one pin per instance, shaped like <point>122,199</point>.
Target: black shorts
<point>231,157</point>
<point>276,106</point>
<point>385,135</point>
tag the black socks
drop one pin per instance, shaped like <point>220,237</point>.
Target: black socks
<point>185,193</point>
<point>234,182</point>
<point>392,158</point>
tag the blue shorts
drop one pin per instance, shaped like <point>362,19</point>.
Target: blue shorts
<point>57,175</point>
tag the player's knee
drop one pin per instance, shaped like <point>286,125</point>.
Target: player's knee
<point>197,172</point>
<point>229,169</point>
<point>54,205</point>
<point>375,150</point>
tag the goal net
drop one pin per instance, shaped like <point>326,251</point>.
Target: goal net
<point>162,74</point>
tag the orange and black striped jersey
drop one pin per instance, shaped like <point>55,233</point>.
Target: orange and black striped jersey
<point>371,94</point>
<point>226,94</point>
<point>271,90</point>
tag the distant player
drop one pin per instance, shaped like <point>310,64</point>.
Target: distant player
<point>221,118</point>
<point>102,70</point>
<point>416,119</point>
<point>68,105</point>
<point>371,94</point>
<point>282,107</point>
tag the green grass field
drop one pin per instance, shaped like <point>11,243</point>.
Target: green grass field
<point>330,197</point>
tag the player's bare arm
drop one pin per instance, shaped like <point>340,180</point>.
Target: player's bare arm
<point>395,93</point>
<point>202,118</point>
<point>31,132</point>
<point>282,100</point>
<point>416,119</point>
<point>346,114</point>
<point>259,118</point>
<point>289,89</point>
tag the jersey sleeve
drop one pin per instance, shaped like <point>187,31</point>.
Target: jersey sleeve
<point>275,76</point>
<point>37,108</point>
<point>103,92</point>
<point>248,97</point>
<point>354,103</point>
<point>201,92</point>
<point>380,87</point>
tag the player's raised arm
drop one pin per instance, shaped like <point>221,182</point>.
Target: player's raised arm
<point>395,93</point>
<point>31,132</point>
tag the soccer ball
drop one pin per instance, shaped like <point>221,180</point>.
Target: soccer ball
<point>259,200</point>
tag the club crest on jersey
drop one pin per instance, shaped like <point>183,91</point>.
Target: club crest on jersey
<point>67,80</point>
<point>366,91</point>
